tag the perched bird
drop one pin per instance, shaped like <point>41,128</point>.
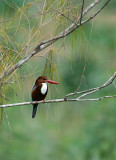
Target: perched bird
<point>39,91</point>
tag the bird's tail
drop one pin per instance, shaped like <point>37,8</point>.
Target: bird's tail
<point>34,110</point>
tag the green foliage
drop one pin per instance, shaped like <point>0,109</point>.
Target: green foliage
<point>85,59</point>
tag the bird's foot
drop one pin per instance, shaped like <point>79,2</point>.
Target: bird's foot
<point>44,101</point>
<point>36,101</point>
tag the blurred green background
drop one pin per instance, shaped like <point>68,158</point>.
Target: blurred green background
<point>78,131</point>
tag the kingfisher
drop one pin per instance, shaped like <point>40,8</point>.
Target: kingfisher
<point>39,91</point>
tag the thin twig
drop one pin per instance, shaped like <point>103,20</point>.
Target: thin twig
<point>81,16</point>
<point>3,96</point>
<point>62,14</point>
<point>7,120</point>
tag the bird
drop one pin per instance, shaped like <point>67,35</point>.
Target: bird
<point>39,91</point>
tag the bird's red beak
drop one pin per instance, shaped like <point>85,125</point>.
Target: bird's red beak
<point>51,81</point>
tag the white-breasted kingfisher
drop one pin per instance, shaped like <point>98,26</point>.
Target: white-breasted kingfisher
<point>39,91</point>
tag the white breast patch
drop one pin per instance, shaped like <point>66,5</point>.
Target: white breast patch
<point>44,88</point>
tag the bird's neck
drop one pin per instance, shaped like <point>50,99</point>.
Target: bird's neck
<point>44,88</point>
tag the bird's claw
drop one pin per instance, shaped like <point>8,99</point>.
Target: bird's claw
<point>44,101</point>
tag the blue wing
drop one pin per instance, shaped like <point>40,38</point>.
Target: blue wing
<point>32,89</point>
<point>33,86</point>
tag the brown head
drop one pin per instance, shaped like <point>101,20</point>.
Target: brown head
<point>44,79</point>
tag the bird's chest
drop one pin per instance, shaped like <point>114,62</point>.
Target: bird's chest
<point>39,93</point>
<point>44,88</point>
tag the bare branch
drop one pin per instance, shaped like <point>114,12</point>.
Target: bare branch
<point>95,2</point>
<point>90,91</point>
<point>81,16</point>
<point>55,101</point>
<point>91,17</point>
<point>79,99</point>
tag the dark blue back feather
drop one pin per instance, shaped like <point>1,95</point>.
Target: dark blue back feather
<point>32,89</point>
<point>33,86</point>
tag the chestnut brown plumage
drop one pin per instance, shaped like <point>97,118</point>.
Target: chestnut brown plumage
<point>38,92</point>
